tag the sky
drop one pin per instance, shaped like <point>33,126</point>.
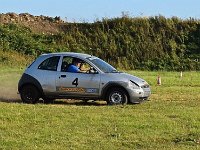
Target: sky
<point>92,10</point>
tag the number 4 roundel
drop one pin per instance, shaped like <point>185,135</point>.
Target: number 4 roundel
<point>75,82</point>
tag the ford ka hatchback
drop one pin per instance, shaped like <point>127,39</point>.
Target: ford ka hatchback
<point>48,78</point>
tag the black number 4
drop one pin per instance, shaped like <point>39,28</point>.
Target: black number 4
<point>75,82</point>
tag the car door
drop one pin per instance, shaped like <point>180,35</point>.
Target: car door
<point>76,84</point>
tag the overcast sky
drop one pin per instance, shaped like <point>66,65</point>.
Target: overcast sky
<point>90,10</point>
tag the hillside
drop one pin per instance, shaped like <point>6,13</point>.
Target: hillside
<point>38,24</point>
<point>154,43</point>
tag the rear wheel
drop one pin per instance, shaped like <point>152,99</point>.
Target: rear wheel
<point>117,96</point>
<point>29,94</point>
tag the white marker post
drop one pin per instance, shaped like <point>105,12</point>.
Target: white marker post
<point>181,74</point>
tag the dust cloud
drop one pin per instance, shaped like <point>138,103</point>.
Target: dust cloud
<point>9,94</point>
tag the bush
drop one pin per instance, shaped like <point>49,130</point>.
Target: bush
<point>155,43</point>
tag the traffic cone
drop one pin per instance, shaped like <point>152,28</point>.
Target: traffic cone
<point>159,80</point>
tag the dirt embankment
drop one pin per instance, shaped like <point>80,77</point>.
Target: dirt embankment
<point>39,24</point>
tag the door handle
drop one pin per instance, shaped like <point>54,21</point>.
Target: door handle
<point>63,76</point>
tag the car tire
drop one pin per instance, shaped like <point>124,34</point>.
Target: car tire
<point>29,94</point>
<point>117,96</point>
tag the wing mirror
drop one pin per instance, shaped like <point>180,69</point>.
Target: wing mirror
<point>93,70</point>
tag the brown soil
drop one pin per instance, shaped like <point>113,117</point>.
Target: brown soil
<point>39,24</point>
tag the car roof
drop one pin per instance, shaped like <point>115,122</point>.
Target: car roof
<point>72,54</point>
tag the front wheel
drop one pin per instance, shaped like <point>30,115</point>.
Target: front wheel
<point>117,96</point>
<point>29,94</point>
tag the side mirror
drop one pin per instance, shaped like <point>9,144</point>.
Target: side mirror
<point>93,71</point>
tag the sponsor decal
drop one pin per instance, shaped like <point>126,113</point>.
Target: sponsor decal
<point>66,89</point>
<point>77,90</point>
<point>91,90</point>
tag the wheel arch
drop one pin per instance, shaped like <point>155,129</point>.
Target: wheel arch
<point>111,85</point>
<point>29,80</point>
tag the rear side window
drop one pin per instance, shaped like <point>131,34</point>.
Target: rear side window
<point>50,64</point>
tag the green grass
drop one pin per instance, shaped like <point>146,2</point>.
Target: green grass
<point>12,58</point>
<point>170,120</point>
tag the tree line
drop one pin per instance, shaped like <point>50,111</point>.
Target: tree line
<point>148,43</point>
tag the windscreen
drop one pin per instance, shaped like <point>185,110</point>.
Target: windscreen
<point>102,65</point>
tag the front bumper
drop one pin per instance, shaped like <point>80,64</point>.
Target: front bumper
<point>139,95</point>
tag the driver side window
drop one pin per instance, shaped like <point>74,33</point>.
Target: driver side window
<point>75,65</point>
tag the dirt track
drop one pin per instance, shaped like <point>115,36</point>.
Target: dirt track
<point>8,86</point>
<point>9,94</point>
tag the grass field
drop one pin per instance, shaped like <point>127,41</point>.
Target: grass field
<point>169,120</point>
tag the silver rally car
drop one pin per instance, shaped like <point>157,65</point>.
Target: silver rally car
<point>49,78</point>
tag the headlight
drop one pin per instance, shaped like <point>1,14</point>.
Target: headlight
<point>133,85</point>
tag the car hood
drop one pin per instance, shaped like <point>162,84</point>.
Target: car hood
<point>135,79</point>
